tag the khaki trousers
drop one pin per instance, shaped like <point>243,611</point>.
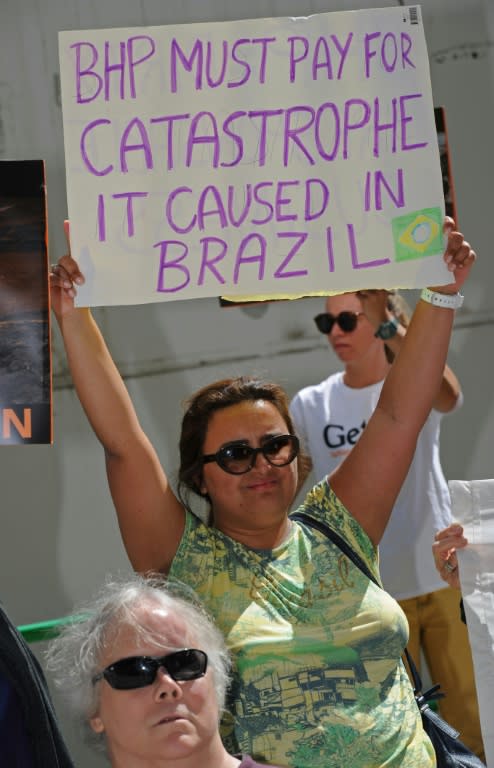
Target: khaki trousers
<point>436,629</point>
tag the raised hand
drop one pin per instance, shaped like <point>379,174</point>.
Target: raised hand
<point>458,256</point>
<point>64,276</point>
<point>446,542</point>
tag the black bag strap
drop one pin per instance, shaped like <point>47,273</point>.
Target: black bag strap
<point>434,724</point>
<point>332,535</point>
<point>340,542</point>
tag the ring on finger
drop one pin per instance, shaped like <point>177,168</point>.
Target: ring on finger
<point>450,568</point>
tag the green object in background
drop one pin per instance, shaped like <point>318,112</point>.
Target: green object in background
<point>46,630</point>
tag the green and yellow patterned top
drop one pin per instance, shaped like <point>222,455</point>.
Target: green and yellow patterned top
<point>318,680</point>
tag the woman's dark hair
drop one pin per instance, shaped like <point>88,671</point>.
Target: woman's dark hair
<point>198,411</point>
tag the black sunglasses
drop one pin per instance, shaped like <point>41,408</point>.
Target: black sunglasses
<point>346,320</point>
<point>139,671</point>
<point>239,458</point>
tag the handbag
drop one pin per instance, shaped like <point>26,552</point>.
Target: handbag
<point>450,751</point>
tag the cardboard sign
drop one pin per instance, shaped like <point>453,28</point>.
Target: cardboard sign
<point>449,205</point>
<point>261,157</point>
<point>25,360</point>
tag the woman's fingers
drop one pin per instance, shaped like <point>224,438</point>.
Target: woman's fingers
<point>66,274</point>
<point>453,530</point>
<point>446,542</point>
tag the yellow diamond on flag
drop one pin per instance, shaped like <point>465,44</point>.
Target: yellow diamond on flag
<point>419,233</point>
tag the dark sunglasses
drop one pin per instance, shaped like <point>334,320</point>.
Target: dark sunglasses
<point>139,671</point>
<point>346,320</point>
<point>239,458</point>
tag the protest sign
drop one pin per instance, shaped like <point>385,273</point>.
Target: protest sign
<point>261,157</point>
<point>25,361</point>
<point>449,206</point>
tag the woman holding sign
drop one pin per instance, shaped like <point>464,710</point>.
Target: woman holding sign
<point>317,646</point>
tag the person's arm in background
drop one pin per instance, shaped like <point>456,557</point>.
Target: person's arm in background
<point>370,477</point>
<point>446,542</point>
<point>376,305</point>
<point>150,517</point>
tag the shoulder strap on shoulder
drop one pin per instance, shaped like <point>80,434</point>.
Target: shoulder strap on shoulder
<point>336,539</point>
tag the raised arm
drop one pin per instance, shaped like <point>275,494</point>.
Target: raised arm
<point>150,517</point>
<point>375,304</point>
<point>369,479</point>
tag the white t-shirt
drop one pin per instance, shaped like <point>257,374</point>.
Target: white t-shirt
<point>329,418</point>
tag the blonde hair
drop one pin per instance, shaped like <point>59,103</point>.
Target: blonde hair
<point>401,310</point>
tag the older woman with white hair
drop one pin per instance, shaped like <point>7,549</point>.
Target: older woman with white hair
<point>145,671</point>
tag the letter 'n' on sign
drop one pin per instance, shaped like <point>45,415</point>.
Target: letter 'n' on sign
<point>25,359</point>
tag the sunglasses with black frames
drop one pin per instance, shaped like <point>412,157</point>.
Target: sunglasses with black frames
<point>140,671</point>
<point>347,321</point>
<point>238,458</point>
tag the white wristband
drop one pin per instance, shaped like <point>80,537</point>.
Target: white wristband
<point>444,300</point>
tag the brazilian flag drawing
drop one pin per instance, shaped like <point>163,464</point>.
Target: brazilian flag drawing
<point>418,234</point>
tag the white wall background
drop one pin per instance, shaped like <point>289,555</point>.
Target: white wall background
<point>58,533</point>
